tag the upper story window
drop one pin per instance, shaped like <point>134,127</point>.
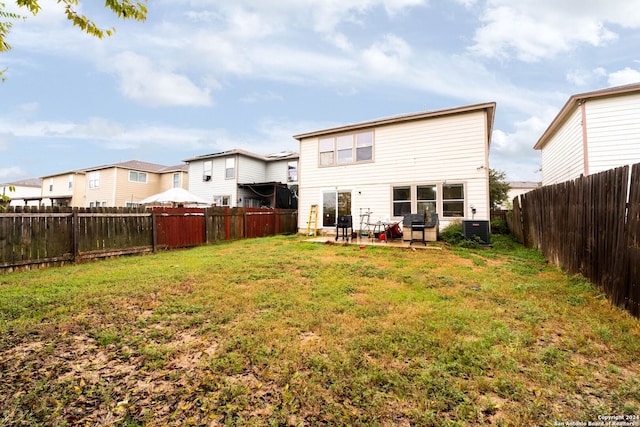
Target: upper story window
<point>292,171</point>
<point>70,182</point>
<point>94,180</point>
<point>230,168</point>
<point>206,170</point>
<point>346,149</point>
<point>50,184</point>
<point>135,176</point>
<point>176,180</point>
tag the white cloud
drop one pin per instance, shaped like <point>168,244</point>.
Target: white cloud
<point>513,152</point>
<point>532,30</point>
<point>11,172</point>
<point>625,76</point>
<point>144,82</point>
<point>582,78</point>
<point>389,57</point>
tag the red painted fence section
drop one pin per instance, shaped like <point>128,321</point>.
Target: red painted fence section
<point>179,227</point>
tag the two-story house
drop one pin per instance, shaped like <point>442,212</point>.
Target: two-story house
<point>122,184</point>
<point>434,161</point>
<point>593,132</point>
<point>239,178</point>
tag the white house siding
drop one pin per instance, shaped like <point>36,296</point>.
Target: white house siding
<point>562,156</point>
<point>250,170</point>
<point>613,126</point>
<point>276,171</point>
<point>451,149</point>
<point>217,186</point>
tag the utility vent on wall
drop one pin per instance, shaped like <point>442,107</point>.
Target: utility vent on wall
<point>476,230</point>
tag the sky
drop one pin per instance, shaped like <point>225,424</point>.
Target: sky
<point>205,76</point>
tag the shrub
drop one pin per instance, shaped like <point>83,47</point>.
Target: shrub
<point>499,226</point>
<point>452,233</point>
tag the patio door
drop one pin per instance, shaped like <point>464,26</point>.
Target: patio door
<point>335,204</point>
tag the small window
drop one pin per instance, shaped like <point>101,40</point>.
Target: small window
<point>326,151</point>
<point>453,200</point>
<point>401,201</point>
<point>135,176</point>
<point>94,180</point>
<point>230,168</point>
<point>70,182</point>
<point>206,170</point>
<point>176,180</point>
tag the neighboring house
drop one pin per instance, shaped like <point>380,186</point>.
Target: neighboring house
<point>65,189</point>
<point>115,185</point>
<point>238,178</point>
<point>517,188</point>
<point>434,161</point>
<point>593,132</point>
<point>26,192</point>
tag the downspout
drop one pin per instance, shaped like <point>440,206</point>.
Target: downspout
<point>585,145</point>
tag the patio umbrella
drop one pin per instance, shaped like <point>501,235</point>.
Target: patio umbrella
<point>175,196</point>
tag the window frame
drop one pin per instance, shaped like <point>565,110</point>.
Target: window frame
<point>230,171</point>
<point>438,202</point>
<point>207,170</point>
<point>94,180</point>
<point>176,179</point>
<point>292,171</point>
<point>454,200</point>
<point>134,176</point>
<point>345,149</point>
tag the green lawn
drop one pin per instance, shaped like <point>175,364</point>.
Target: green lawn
<point>279,331</point>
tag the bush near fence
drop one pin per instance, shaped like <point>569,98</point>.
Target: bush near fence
<point>36,236</point>
<point>588,226</point>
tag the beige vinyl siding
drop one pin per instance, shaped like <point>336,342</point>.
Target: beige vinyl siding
<point>450,149</point>
<point>562,156</point>
<point>613,126</point>
<point>166,180</point>
<point>133,192</point>
<point>105,190</point>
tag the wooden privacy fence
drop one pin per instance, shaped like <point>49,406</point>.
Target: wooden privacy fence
<point>588,226</point>
<point>43,236</point>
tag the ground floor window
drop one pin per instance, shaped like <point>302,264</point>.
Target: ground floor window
<point>401,201</point>
<point>453,200</point>
<point>423,199</point>
<point>224,201</point>
<point>335,204</point>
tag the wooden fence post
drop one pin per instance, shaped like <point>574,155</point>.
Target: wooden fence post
<point>75,234</point>
<point>154,231</point>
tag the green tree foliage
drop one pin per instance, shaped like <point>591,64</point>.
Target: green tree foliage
<point>498,188</point>
<point>125,9</point>
<point>4,199</point>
